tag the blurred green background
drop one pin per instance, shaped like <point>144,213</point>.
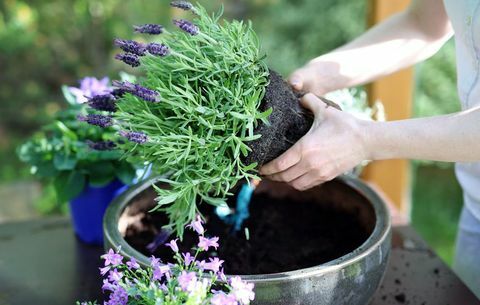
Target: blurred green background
<point>47,43</point>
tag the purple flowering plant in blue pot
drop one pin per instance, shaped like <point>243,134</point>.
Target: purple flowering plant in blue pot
<point>206,113</point>
<point>72,155</point>
<point>188,280</point>
<point>81,162</point>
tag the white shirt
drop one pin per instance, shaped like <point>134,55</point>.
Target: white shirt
<point>465,18</point>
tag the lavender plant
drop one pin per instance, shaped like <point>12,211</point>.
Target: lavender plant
<point>187,281</point>
<point>194,111</point>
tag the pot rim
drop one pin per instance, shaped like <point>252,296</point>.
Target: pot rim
<point>380,232</point>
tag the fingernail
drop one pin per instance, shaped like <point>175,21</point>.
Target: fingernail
<point>295,82</point>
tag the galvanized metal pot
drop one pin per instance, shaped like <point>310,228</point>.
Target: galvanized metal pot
<point>351,279</point>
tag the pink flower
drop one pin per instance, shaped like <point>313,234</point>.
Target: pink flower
<point>89,87</point>
<point>173,245</point>
<point>188,259</point>
<point>108,286</point>
<point>197,225</point>
<point>187,280</point>
<point>221,298</point>
<point>214,264</point>
<point>221,275</point>
<point>104,270</point>
<point>112,258</point>
<point>132,264</point>
<point>201,264</point>
<point>159,271</point>
<point>205,243</point>
<point>114,276</point>
<point>242,291</point>
<point>154,262</point>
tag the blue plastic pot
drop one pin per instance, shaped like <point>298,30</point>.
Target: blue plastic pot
<point>88,208</point>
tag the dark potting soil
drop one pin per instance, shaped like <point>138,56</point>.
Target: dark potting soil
<point>289,121</point>
<point>283,236</point>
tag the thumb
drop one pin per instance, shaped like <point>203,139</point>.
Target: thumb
<point>315,105</point>
<point>296,80</point>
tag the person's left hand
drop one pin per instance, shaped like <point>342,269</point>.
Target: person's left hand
<point>334,144</point>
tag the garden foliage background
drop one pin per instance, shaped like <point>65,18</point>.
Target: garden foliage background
<point>47,43</point>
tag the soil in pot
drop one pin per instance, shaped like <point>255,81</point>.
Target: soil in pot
<point>284,234</point>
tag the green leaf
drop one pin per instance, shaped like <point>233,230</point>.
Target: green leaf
<point>125,172</point>
<point>100,181</point>
<point>63,161</point>
<point>163,200</point>
<point>69,97</point>
<point>44,170</point>
<point>239,115</point>
<point>99,173</point>
<point>69,185</point>
<point>66,131</point>
<point>264,115</point>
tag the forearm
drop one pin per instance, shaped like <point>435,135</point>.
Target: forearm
<point>401,41</point>
<point>454,137</point>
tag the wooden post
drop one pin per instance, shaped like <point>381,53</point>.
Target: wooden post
<point>395,92</point>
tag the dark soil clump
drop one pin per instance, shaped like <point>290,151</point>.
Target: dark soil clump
<point>289,121</point>
<point>284,235</point>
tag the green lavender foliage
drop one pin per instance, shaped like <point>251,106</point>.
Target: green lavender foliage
<point>211,85</point>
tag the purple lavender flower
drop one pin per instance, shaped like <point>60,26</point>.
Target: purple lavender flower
<point>242,291</point>
<point>186,26</point>
<point>112,258</point>
<point>152,29</point>
<point>148,95</point>
<point>101,145</point>
<point>118,92</point>
<point>197,225</point>
<point>173,245</point>
<point>90,86</point>
<point>220,298</point>
<point>205,243</point>
<point>132,264</point>
<point>214,264</point>
<point>133,136</point>
<point>97,120</point>
<point>130,46</point>
<point>103,102</point>
<point>184,5</point>
<point>187,280</point>
<point>129,58</point>
<point>158,49</point>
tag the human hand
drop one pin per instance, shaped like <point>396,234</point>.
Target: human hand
<point>334,144</point>
<point>318,77</point>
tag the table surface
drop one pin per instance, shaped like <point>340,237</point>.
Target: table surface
<point>42,263</point>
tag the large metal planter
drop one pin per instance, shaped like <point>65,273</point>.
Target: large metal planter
<point>351,279</point>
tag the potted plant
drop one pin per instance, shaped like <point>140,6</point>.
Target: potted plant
<point>80,162</point>
<point>187,281</point>
<point>208,111</point>
<point>206,114</point>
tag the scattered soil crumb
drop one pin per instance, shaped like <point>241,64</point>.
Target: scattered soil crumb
<point>400,298</point>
